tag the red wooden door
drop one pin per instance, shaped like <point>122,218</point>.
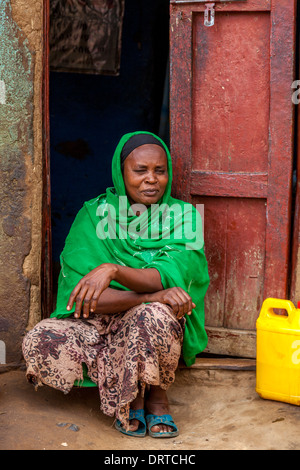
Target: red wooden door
<point>232,145</point>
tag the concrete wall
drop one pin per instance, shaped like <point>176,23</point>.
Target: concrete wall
<point>21,28</point>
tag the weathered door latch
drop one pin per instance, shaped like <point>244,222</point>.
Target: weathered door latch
<point>209,14</point>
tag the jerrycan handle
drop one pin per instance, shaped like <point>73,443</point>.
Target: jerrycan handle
<point>269,304</point>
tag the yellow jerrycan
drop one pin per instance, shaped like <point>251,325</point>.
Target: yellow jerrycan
<point>278,352</point>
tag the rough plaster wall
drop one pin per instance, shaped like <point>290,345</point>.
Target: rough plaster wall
<point>20,169</point>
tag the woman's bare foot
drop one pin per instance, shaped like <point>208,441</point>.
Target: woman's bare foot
<point>157,404</point>
<point>136,404</point>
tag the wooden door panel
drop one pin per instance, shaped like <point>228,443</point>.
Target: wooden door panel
<point>231,92</point>
<point>215,214</point>
<point>234,232</point>
<point>232,147</point>
<point>245,254</point>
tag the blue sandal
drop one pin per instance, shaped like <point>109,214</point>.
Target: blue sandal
<point>153,420</point>
<point>134,414</point>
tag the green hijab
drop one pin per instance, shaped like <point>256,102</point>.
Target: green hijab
<point>106,232</point>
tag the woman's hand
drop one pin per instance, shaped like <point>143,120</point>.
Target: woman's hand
<point>179,300</point>
<point>87,292</point>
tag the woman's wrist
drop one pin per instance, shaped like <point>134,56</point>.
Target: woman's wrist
<point>148,297</point>
<point>113,270</point>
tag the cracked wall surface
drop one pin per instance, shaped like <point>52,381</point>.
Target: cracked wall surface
<point>21,32</point>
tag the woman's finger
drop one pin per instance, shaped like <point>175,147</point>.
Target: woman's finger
<point>181,307</point>
<point>171,300</point>
<point>185,303</point>
<point>73,295</point>
<point>177,304</point>
<point>190,304</point>
<point>174,298</point>
<point>193,306</point>
<point>95,299</point>
<point>86,302</point>
<point>79,300</point>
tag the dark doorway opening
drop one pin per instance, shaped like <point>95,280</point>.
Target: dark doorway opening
<point>89,114</point>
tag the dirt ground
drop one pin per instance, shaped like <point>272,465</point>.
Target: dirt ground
<point>214,410</point>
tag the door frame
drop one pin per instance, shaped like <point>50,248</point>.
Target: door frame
<point>46,255</point>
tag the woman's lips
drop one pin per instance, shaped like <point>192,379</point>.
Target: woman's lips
<point>150,192</point>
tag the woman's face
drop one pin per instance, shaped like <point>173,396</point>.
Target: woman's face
<point>146,174</point>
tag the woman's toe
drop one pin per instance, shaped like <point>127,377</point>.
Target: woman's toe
<point>161,428</point>
<point>156,428</point>
<point>134,425</point>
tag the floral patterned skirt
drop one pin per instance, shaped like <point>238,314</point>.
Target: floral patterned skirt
<point>123,353</point>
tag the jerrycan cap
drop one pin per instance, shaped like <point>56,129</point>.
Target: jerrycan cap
<point>298,304</point>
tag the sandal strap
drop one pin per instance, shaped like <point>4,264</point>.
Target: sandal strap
<point>137,414</point>
<point>153,420</point>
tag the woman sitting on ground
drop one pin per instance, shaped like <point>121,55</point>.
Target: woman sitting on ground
<point>130,294</point>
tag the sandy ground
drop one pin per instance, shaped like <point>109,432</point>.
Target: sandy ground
<point>214,410</point>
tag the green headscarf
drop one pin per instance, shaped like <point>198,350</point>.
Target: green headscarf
<point>99,234</point>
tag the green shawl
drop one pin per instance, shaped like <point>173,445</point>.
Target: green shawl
<point>99,234</point>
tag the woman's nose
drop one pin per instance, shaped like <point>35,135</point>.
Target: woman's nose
<point>151,177</point>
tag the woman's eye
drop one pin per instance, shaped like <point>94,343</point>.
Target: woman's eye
<point>142,170</point>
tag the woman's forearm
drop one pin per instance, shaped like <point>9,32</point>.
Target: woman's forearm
<point>139,280</point>
<point>91,287</point>
<point>115,301</point>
